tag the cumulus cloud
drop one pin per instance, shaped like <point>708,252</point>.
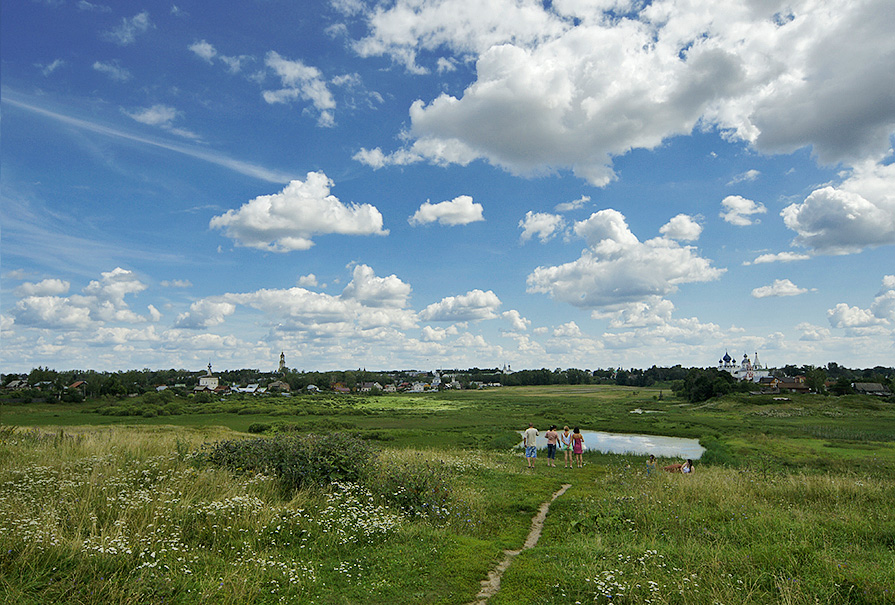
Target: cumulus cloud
<point>519,323</point>
<point>300,81</point>
<point>859,213</point>
<point>652,311</point>
<point>459,211</point>
<point>286,221</point>
<point>125,33</point>
<point>541,102</point>
<point>308,281</point>
<point>567,330</point>
<point>780,257</point>
<point>205,314</point>
<point>542,224</point>
<point>103,300</point>
<point>373,291</point>
<point>47,287</point>
<point>472,306</point>
<point>780,287</point>
<point>845,316</point>
<point>681,227</point>
<point>204,50</point>
<point>113,70</point>
<point>737,210</point>
<point>617,268</point>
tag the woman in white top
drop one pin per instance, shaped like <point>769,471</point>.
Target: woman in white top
<point>565,443</point>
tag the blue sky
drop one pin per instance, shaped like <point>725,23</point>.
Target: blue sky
<point>431,183</point>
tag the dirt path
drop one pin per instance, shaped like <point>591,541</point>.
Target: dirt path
<point>492,584</point>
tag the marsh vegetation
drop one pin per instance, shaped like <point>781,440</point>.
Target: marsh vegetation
<point>793,502</point>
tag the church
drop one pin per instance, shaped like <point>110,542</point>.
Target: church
<point>745,370</point>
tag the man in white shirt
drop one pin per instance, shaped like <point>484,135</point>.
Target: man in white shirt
<point>529,441</point>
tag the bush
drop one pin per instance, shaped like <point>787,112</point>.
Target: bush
<point>296,461</point>
<point>259,427</point>
<point>417,488</point>
<point>716,452</point>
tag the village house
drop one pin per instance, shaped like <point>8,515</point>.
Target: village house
<point>871,388</point>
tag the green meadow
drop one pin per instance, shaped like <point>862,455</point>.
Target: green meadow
<point>174,501</point>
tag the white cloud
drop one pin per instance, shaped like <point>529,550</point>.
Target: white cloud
<point>47,287</point>
<point>567,330</point>
<point>542,100</point>
<point>101,301</point>
<point>737,210</point>
<point>812,333</point>
<point>652,311</point>
<point>51,312</point>
<point>681,227</point>
<point>472,306</point>
<point>573,205</point>
<point>459,211</point>
<point>373,291</point>
<point>845,316</point>
<point>308,281</point>
<point>157,115</point>
<point>859,213</point>
<point>780,287</point>
<point>204,50</point>
<point>113,70</point>
<point>176,283</point>
<point>49,68</point>
<point>519,323</point>
<point>780,257</point>
<point>126,32</point>
<point>542,224</point>
<point>96,8</point>
<point>745,177</point>
<point>286,221</point>
<point>300,81</point>
<point>617,268</point>
<point>205,313</point>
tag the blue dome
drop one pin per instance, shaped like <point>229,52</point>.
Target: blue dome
<point>726,358</point>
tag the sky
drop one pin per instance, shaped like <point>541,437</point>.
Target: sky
<point>424,184</point>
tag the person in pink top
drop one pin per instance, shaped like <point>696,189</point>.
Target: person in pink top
<point>578,446</point>
<point>552,437</point>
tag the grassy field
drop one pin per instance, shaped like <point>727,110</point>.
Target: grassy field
<point>97,507</point>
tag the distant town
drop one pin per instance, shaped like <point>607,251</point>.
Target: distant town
<point>746,374</point>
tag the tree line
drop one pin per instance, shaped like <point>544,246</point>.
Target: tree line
<point>688,382</point>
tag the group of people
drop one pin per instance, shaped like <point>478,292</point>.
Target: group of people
<point>571,443</point>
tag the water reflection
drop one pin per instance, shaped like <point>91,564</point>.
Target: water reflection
<point>626,443</point>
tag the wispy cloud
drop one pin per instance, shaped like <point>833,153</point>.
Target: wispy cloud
<point>259,172</point>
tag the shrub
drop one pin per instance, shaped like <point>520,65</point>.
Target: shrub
<point>295,460</point>
<point>259,427</point>
<point>417,487</point>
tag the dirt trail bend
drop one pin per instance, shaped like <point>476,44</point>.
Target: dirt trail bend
<point>492,584</point>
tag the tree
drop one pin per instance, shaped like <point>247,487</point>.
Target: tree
<point>816,379</point>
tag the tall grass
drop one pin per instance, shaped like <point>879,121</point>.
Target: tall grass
<point>128,515</point>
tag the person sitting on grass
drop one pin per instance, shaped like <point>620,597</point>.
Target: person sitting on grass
<point>687,467</point>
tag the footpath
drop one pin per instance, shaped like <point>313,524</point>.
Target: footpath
<point>492,584</point>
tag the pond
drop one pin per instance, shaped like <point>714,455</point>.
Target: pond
<point>643,445</point>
